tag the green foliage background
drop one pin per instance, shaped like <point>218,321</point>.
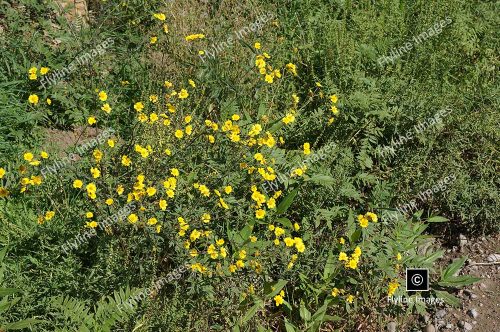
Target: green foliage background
<point>336,43</point>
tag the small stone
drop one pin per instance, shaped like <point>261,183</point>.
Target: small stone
<point>493,258</point>
<point>391,327</point>
<point>465,325</point>
<point>462,240</point>
<point>429,328</point>
<point>474,322</point>
<point>426,318</point>
<point>480,304</point>
<point>449,326</point>
<point>441,313</point>
<point>473,313</point>
<point>470,294</point>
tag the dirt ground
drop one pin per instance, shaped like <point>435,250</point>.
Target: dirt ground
<point>481,301</point>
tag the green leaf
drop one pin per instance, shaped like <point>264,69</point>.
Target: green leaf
<point>22,324</point>
<point>459,281</point>
<point>437,219</point>
<point>277,286</point>
<point>329,266</point>
<point>245,232</point>
<point>448,298</point>
<point>276,126</point>
<point>3,253</point>
<point>323,180</point>
<point>252,311</point>
<point>304,313</point>
<point>355,236</point>
<point>285,222</point>
<point>429,260</point>
<point>289,326</point>
<point>453,268</point>
<point>287,201</point>
<point>8,291</point>
<point>351,226</point>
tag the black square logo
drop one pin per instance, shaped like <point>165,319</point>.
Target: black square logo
<point>417,280</point>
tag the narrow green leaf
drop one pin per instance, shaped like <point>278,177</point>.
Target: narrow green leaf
<point>289,326</point>
<point>323,180</point>
<point>459,281</point>
<point>448,298</point>
<point>252,311</point>
<point>273,289</point>
<point>329,266</point>
<point>453,268</point>
<point>287,201</point>
<point>437,219</point>
<point>22,324</point>
<point>8,291</point>
<point>304,313</point>
<point>285,222</point>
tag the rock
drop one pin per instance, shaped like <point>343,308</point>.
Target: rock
<point>391,327</point>
<point>465,325</point>
<point>470,294</point>
<point>480,304</point>
<point>462,240</point>
<point>449,326</point>
<point>441,313</point>
<point>493,258</point>
<point>429,328</point>
<point>473,313</point>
